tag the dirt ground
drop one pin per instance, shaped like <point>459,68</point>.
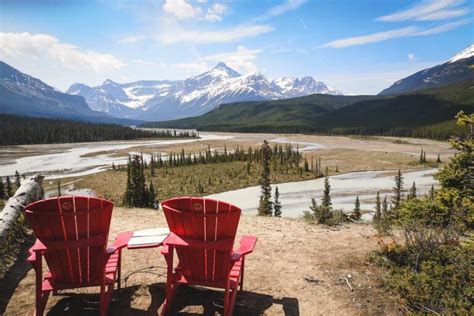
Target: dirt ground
<point>296,269</point>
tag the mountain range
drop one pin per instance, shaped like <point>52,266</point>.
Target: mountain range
<point>459,68</point>
<point>21,94</point>
<point>255,97</point>
<point>161,100</point>
<point>421,105</point>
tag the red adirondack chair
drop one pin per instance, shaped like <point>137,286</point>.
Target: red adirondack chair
<point>203,233</point>
<point>72,234</point>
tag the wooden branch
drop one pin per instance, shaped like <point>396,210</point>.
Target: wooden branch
<point>31,190</point>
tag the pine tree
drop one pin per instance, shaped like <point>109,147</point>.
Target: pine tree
<point>356,214</point>
<point>432,192</point>
<point>59,188</point>
<point>438,160</point>
<point>397,190</point>
<point>152,166</point>
<point>326,199</point>
<point>2,189</point>
<point>424,157</point>
<point>421,156</point>
<point>265,205</point>
<point>378,209</point>
<point>113,166</point>
<point>277,203</point>
<point>306,166</point>
<point>9,190</point>
<point>412,193</point>
<point>17,180</point>
<point>384,205</point>
<point>151,195</point>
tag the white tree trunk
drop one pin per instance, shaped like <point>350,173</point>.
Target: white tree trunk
<point>31,190</point>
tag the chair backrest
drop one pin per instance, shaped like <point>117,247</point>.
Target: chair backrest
<point>208,220</point>
<point>75,231</point>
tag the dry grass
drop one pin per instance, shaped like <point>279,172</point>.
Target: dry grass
<point>185,180</point>
<point>296,269</point>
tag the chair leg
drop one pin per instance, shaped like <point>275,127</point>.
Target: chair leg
<point>241,285</point>
<point>106,292</point>
<point>229,301</point>
<point>41,300</point>
<point>41,296</point>
<point>170,284</point>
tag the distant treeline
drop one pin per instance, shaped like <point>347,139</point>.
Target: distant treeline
<point>440,131</point>
<point>421,114</point>
<point>20,130</point>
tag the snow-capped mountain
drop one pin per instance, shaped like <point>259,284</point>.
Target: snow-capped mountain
<point>22,94</point>
<point>166,99</point>
<point>457,69</point>
<point>466,53</point>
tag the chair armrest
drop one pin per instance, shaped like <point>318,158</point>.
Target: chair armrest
<point>37,247</point>
<point>177,241</point>
<point>120,242</point>
<point>247,244</point>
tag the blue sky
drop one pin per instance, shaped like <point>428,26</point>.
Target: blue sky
<point>356,46</point>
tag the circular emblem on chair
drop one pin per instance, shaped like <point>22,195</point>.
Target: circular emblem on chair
<point>66,205</point>
<point>197,207</point>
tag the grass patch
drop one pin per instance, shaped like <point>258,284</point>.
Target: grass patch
<point>194,180</point>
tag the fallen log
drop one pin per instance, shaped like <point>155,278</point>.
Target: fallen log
<point>31,190</point>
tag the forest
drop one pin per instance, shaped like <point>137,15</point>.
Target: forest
<point>19,130</point>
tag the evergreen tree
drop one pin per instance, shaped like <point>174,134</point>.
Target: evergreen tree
<point>397,190</point>
<point>277,203</point>
<point>136,193</point>
<point>412,193</point>
<point>2,189</point>
<point>152,166</point>
<point>378,209</point>
<point>421,156</point>
<point>438,160</point>
<point>17,180</point>
<point>356,214</point>
<point>306,166</point>
<point>151,195</point>
<point>326,199</point>
<point>432,192</point>
<point>265,205</point>
<point>9,190</point>
<point>113,166</point>
<point>384,205</point>
<point>59,188</point>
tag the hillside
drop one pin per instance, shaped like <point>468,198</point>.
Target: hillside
<point>401,115</point>
<point>458,69</point>
<point>22,94</point>
<point>296,112</point>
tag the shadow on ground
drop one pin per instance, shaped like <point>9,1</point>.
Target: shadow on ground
<point>142,300</point>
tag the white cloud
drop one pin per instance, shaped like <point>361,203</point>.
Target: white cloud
<point>289,50</point>
<point>219,36</point>
<point>372,38</point>
<point>241,60</point>
<point>280,9</point>
<point>427,10</point>
<point>442,28</point>
<point>396,33</point>
<point>411,57</point>
<point>143,62</point>
<point>444,14</point>
<point>214,12</point>
<point>192,68</point>
<point>131,39</point>
<point>47,49</point>
<point>181,9</point>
